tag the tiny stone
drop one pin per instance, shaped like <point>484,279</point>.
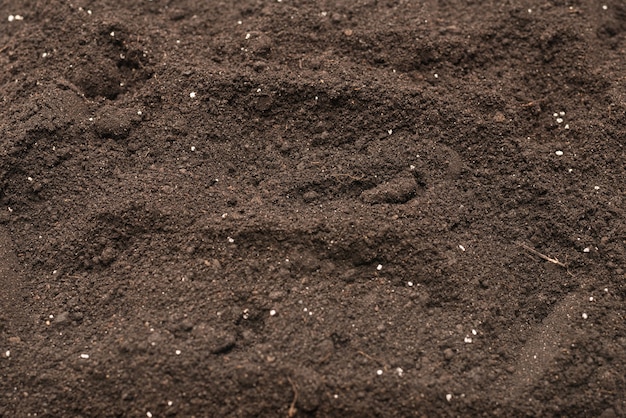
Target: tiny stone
<point>585,316</point>
<point>8,353</point>
<point>586,250</point>
<point>84,356</point>
<point>559,153</point>
<point>379,267</point>
<point>468,340</point>
<point>272,312</point>
<point>178,352</point>
<point>192,94</point>
<point>559,120</point>
<point>449,397</point>
<point>379,372</point>
<point>410,284</point>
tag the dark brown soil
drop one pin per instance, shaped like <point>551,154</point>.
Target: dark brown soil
<point>312,209</point>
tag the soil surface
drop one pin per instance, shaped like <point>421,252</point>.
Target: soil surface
<point>372,208</point>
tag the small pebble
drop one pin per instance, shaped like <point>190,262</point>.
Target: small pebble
<point>559,153</point>
<point>7,353</point>
<point>379,372</point>
<point>410,284</point>
<point>379,267</point>
<point>462,248</point>
<point>192,94</point>
<point>586,250</point>
<point>449,397</point>
<point>585,316</point>
<point>178,352</point>
<point>84,356</point>
<point>468,340</point>
<point>272,312</point>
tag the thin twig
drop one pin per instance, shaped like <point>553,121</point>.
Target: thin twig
<point>292,408</point>
<point>543,256</point>
<point>367,356</point>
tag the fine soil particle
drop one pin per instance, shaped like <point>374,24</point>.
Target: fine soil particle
<point>317,209</point>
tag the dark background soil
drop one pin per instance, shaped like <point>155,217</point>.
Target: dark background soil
<point>353,216</point>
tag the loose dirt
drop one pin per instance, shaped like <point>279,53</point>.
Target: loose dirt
<point>312,209</point>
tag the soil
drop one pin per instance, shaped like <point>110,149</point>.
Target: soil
<point>295,208</point>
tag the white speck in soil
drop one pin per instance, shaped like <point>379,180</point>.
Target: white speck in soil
<point>559,153</point>
<point>389,131</point>
<point>379,372</point>
<point>462,248</point>
<point>586,250</point>
<point>410,284</point>
<point>449,397</point>
<point>585,316</point>
<point>474,332</point>
<point>178,352</point>
<point>7,353</point>
<point>193,148</point>
<point>399,371</point>
<point>379,267</point>
<point>84,356</point>
<point>231,240</point>
<point>590,298</point>
<point>559,120</point>
<point>596,187</point>
<point>149,414</point>
<point>468,340</point>
<point>170,403</point>
<point>272,312</point>
<point>192,94</point>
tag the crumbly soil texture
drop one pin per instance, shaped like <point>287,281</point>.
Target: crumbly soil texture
<point>297,208</point>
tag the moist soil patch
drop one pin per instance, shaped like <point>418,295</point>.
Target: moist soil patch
<point>312,209</point>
